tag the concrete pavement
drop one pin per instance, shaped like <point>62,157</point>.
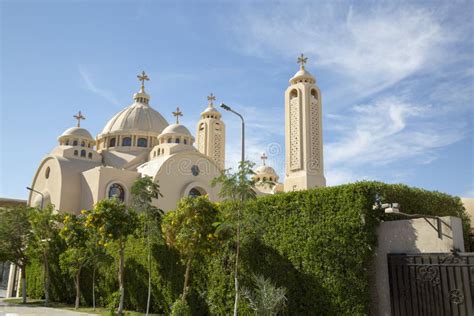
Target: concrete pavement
<point>19,310</point>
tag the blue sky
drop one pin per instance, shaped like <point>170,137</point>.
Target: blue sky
<point>397,79</point>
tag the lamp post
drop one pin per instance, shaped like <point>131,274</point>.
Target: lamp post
<point>236,271</point>
<point>36,191</point>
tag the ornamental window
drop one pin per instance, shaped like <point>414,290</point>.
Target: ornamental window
<point>112,142</point>
<point>127,141</point>
<point>116,191</point>
<point>142,142</point>
<point>83,153</point>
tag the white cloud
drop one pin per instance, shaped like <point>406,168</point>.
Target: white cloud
<point>92,87</point>
<point>386,131</point>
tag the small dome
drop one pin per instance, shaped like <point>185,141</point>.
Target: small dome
<point>77,132</point>
<point>302,75</point>
<point>265,170</point>
<point>211,110</point>
<point>176,129</point>
<point>139,117</point>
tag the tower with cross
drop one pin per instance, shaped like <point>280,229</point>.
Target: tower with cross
<point>210,133</point>
<point>304,167</point>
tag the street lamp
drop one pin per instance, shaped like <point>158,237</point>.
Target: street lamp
<point>236,303</point>
<point>228,108</point>
<point>42,196</point>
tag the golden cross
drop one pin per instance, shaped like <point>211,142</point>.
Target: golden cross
<point>79,117</point>
<point>143,77</point>
<point>177,114</point>
<point>302,60</point>
<point>264,157</point>
<point>211,98</point>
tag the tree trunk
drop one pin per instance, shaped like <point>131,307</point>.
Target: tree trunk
<point>78,288</point>
<point>23,283</point>
<point>236,268</point>
<point>121,290</point>
<point>46,278</point>
<point>93,287</point>
<point>149,273</point>
<point>186,278</point>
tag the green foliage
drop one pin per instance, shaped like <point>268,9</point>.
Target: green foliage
<point>265,299</point>
<point>318,244</point>
<point>237,186</point>
<point>180,308</point>
<point>15,234</point>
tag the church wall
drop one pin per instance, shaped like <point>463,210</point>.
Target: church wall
<point>47,180</point>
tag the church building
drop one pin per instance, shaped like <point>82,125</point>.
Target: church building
<point>138,141</point>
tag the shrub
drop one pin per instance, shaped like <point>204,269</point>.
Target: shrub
<point>180,308</point>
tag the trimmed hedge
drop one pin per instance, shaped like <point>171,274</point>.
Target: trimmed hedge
<point>318,244</point>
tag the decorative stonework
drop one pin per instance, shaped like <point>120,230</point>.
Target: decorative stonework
<point>201,142</point>
<point>218,147</point>
<point>314,162</point>
<point>295,138</point>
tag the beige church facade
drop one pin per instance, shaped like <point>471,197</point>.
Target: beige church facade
<point>138,141</point>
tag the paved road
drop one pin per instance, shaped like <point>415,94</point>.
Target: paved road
<point>17,310</point>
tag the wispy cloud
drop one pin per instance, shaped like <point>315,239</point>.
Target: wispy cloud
<point>91,86</point>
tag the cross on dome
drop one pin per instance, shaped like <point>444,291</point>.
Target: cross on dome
<point>143,77</point>
<point>302,60</point>
<point>264,157</point>
<point>177,114</point>
<point>79,117</point>
<point>211,98</point>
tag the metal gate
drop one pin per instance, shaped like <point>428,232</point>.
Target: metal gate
<point>431,284</point>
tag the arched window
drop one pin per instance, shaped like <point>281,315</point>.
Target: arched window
<point>67,142</point>
<point>90,155</point>
<point>201,127</point>
<point>169,140</point>
<point>142,142</point>
<point>75,153</point>
<point>194,192</point>
<point>116,191</point>
<point>314,94</point>
<point>127,141</point>
<point>83,144</point>
<point>293,94</point>
<point>264,179</point>
<point>83,153</point>
<point>112,142</point>
<point>88,145</point>
<point>46,174</point>
<point>74,143</point>
<point>177,141</point>
<point>185,141</point>
<point>162,151</point>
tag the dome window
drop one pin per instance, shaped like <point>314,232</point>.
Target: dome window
<point>264,178</point>
<point>185,141</point>
<point>169,140</point>
<point>74,143</point>
<point>67,142</point>
<point>46,174</point>
<point>83,153</point>
<point>116,191</point>
<point>89,155</point>
<point>112,142</point>
<point>88,145</point>
<point>75,153</point>
<point>142,142</point>
<point>83,144</point>
<point>177,141</point>
<point>127,141</point>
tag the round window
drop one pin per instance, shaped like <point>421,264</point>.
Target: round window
<point>117,191</point>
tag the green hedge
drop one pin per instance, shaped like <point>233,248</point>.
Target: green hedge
<point>318,244</point>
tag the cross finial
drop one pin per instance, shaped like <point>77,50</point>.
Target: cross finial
<point>177,114</point>
<point>79,117</point>
<point>302,60</point>
<point>211,98</point>
<point>264,157</point>
<point>143,77</point>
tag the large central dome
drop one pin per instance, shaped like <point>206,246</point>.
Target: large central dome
<point>138,117</point>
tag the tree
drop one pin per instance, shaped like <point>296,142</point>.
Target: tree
<point>15,238</point>
<point>144,190</point>
<point>114,222</point>
<point>45,228</point>
<point>77,256</point>
<point>266,299</point>
<point>189,229</point>
<point>237,187</point>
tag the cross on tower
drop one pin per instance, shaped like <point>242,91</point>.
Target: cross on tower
<point>79,117</point>
<point>211,98</point>
<point>143,77</point>
<point>264,157</point>
<point>302,60</point>
<point>177,114</point>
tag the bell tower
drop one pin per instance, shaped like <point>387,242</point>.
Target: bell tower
<point>210,134</point>
<point>303,132</point>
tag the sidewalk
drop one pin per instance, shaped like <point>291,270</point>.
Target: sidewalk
<point>7,309</point>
